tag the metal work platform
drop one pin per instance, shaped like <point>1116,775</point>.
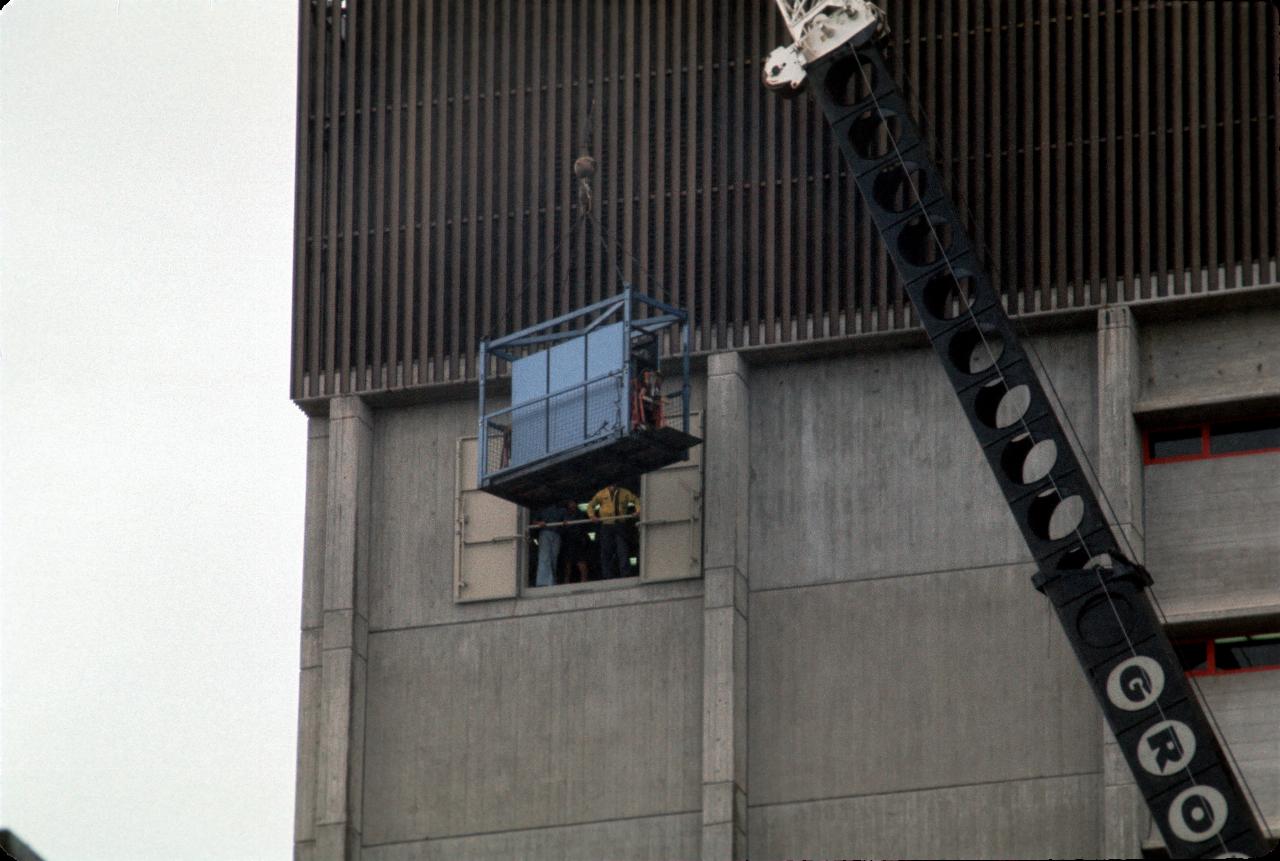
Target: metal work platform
<point>587,403</point>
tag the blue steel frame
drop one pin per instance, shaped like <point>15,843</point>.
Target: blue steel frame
<point>507,348</point>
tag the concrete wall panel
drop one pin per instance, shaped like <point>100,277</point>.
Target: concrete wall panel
<point>304,806</point>
<point>1212,357</point>
<point>412,538</point>
<point>651,837</point>
<point>864,467</point>
<point>411,561</point>
<point>545,720</point>
<point>313,552</point>
<point>1047,818</point>
<point>1245,706</point>
<point>316,513</point>
<point>912,682</point>
<point>1212,533</point>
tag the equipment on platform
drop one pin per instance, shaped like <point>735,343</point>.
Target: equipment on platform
<point>587,403</point>
<point>1177,761</point>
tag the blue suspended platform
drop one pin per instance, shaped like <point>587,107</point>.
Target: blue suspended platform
<point>587,402</point>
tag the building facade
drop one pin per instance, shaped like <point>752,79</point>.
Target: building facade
<point>831,646</point>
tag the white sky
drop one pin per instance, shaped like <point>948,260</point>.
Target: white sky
<point>151,464</point>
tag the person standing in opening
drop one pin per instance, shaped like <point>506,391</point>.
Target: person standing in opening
<point>606,510</point>
<point>549,521</point>
<point>575,546</point>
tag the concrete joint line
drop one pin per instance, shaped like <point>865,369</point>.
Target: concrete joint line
<point>721,375</point>
<point>1027,561</point>
<point>506,617</point>
<point>337,420</point>
<point>356,655</point>
<point>940,788</point>
<point>441,837</point>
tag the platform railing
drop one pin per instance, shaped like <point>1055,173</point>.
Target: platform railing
<point>568,417</point>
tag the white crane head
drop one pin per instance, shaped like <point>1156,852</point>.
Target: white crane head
<point>818,27</point>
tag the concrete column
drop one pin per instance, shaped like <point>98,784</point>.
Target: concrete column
<point>304,809</point>
<point>724,661</point>
<point>1119,441</point>
<point>1124,814</point>
<point>344,633</point>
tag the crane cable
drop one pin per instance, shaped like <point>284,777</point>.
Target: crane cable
<point>1000,374</point>
<point>918,109</point>
<point>584,168</point>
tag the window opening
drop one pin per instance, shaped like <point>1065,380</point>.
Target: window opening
<point>1175,443</point>
<point>1211,439</point>
<point>1193,656</point>
<point>580,541</point>
<point>1249,436</point>
<point>1228,655</point>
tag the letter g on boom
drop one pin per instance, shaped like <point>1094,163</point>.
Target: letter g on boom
<point>1135,683</point>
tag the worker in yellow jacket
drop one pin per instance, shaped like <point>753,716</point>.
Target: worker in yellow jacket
<point>609,510</point>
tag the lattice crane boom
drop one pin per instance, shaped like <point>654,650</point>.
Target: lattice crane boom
<point>1098,594</point>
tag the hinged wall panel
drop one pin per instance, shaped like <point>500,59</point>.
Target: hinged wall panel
<point>487,537</point>
<point>671,516</point>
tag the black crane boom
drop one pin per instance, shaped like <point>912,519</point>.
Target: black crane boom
<point>1099,595</point>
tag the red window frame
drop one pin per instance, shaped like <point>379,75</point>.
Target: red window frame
<point>1211,662</point>
<point>1205,453</point>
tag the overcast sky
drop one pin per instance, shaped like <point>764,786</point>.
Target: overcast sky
<point>151,464</point>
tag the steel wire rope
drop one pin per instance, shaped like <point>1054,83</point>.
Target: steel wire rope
<point>586,213</point>
<point>582,215</point>
<point>622,279</point>
<point>1061,407</point>
<point>917,108</point>
<point>567,237</point>
<point>914,104</point>
<point>602,233</point>
<point>1124,537</point>
<point>968,307</point>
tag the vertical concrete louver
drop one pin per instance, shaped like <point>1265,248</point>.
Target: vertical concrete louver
<point>1108,150</point>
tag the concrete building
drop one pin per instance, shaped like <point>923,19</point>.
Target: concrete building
<point>14,848</point>
<point>843,654</point>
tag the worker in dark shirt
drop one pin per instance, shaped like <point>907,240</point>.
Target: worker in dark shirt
<point>548,520</point>
<point>576,550</point>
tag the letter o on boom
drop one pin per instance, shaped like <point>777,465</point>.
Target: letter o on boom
<point>1197,813</point>
<point>1135,683</point>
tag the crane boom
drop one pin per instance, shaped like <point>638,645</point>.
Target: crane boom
<point>1099,595</point>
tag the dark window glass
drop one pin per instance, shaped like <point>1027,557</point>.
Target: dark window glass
<point>1192,656</point>
<point>1238,653</point>
<point>1244,436</point>
<point>1173,443</point>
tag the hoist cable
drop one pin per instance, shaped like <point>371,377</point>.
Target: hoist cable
<point>1000,374</point>
<point>613,260</point>
<point>566,237</point>
<point>619,246</point>
<point>915,105</point>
